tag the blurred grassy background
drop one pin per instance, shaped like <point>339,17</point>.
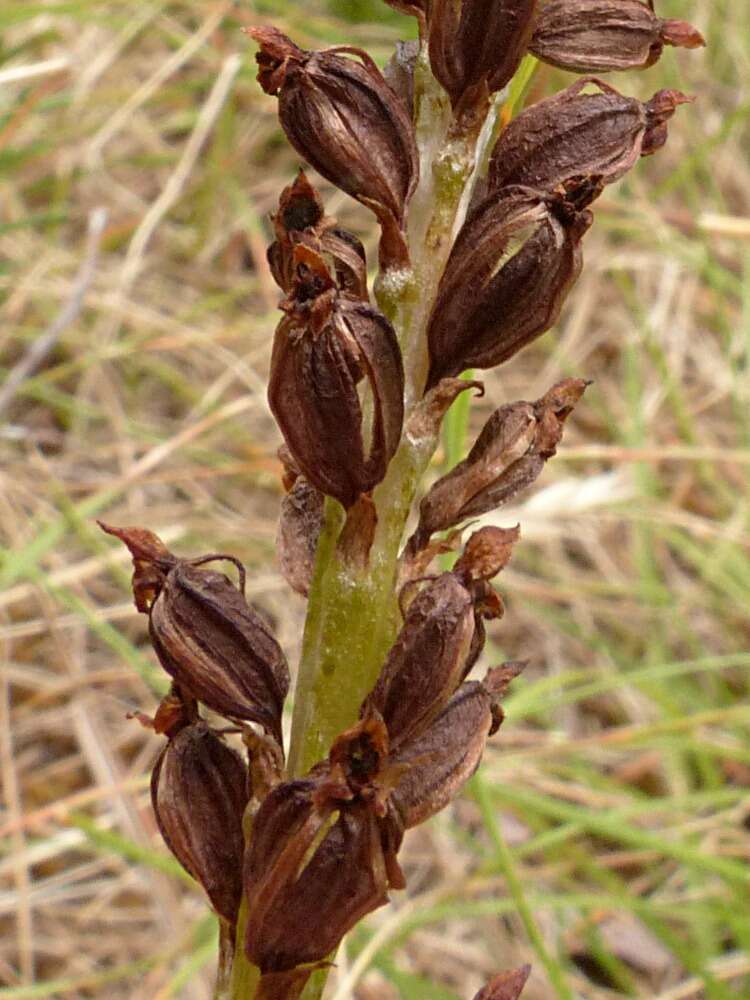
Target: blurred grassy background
<point>607,838</point>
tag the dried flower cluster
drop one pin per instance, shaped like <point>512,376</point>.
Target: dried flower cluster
<point>311,854</point>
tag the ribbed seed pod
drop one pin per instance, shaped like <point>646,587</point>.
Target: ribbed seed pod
<point>513,262</point>
<point>218,648</point>
<point>573,137</point>
<point>199,793</point>
<point>597,36</point>
<point>325,345</point>
<point>439,762</point>
<point>507,457</point>
<point>427,661</point>
<point>308,881</point>
<point>478,42</point>
<point>344,119</point>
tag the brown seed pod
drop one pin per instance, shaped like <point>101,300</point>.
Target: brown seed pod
<point>309,877</point>
<point>344,119</point>
<point>301,219</point>
<point>218,648</point>
<point>573,138</point>
<point>325,345</point>
<point>427,661</point>
<point>439,762</point>
<point>478,43</point>
<point>508,455</point>
<point>597,36</point>
<point>199,793</point>
<point>506,986</point>
<point>510,269</point>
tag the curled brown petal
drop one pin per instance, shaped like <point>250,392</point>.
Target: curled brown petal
<point>310,876</point>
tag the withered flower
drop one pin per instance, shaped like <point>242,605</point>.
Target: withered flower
<point>327,344</point>
<point>199,793</point>
<point>596,36</point>
<point>323,851</point>
<point>506,986</point>
<point>513,262</point>
<point>478,45</point>
<point>344,119</point>
<point>507,457</point>
<point>301,219</point>
<point>574,137</point>
<point>207,637</point>
<point>320,857</point>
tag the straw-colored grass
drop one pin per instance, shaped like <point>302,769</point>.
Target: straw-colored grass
<point>607,837</point>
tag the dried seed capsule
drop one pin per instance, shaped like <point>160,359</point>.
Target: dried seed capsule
<point>301,219</point>
<point>344,119</point>
<point>513,262</point>
<point>596,36</point>
<point>218,648</point>
<point>478,42</point>
<point>506,986</point>
<point>573,137</point>
<point>199,793</point>
<point>427,661</point>
<point>508,455</point>
<point>308,880</point>
<point>325,345</point>
<point>440,762</point>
